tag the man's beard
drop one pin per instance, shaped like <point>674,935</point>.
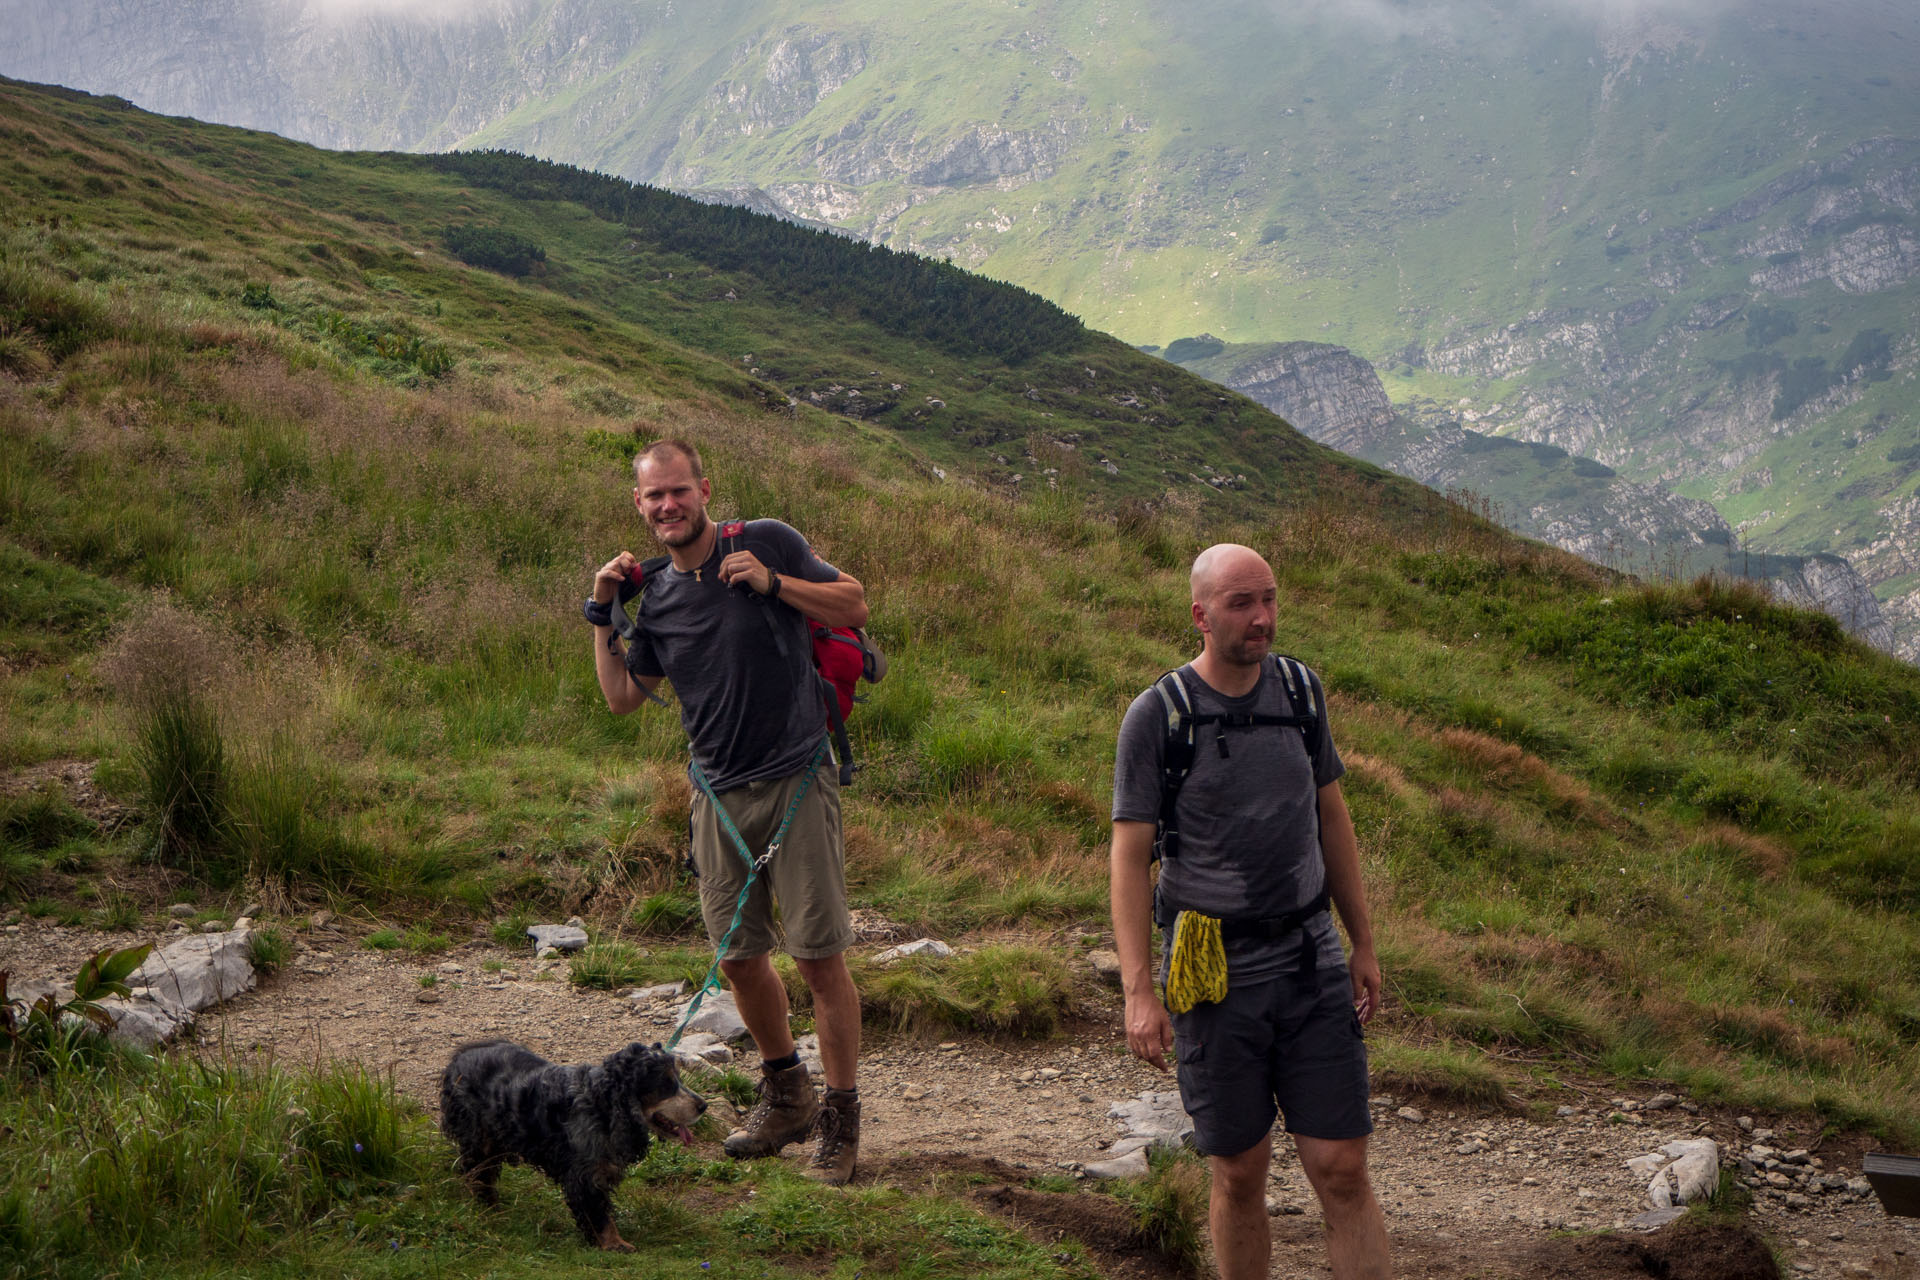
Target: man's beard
<point>695,526</point>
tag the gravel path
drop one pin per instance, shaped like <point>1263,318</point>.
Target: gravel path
<point>1466,1194</point>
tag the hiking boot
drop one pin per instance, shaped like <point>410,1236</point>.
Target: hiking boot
<point>785,1113</point>
<point>839,1139</point>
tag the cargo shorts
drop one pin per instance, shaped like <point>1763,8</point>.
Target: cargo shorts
<point>1290,1046</point>
<point>807,876</point>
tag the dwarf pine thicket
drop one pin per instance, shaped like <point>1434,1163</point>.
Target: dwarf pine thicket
<point>312,607</point>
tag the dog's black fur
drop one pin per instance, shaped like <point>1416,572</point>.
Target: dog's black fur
<point>580,1125</point>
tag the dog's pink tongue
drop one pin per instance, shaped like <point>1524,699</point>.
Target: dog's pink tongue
<point>683,1133</point>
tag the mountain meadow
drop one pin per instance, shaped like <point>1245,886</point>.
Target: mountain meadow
<point>1679,242</point>
<point>306,460</point>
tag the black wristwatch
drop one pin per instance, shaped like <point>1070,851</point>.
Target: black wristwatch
<point>773,585</point>
<point>598,612</point>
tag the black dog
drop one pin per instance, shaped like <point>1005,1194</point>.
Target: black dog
<point>581,1126</point>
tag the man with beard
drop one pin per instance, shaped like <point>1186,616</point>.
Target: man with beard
<point>1254,843</point>
<point>726,621</point>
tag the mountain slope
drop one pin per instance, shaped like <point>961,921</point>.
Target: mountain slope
<point>285,443</point>
<point>1678,239</point>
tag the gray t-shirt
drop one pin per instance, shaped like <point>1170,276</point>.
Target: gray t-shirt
<point>748,714</point>
<point>1249,821</point>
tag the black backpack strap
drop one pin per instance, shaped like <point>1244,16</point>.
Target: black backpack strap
<point>1308,701</point>
<point>1176,760</point>
<point>837,726</point>
<point>730,534</point>
<point>628,628</point>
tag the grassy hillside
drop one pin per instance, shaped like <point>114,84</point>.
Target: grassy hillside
<point>298,506</point>
<point>1575,218</point>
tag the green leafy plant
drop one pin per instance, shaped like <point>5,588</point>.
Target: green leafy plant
<point>37,1026</point>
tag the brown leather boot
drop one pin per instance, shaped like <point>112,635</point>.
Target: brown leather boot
<point>784,1114</point>
<point>839,1139</point>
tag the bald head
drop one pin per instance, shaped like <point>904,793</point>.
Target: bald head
<point>1228,563</point>
<point>1234,608</point>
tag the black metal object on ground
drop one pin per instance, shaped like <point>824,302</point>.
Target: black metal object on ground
<point>1896,1180</point>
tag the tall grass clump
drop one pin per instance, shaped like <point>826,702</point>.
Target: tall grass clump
<point>186,781</point>
<point>279,824</point>
<point>1170,1208</point>
<point>141,1159</point>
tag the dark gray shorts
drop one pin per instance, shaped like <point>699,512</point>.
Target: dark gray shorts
<point>1276,1048</point>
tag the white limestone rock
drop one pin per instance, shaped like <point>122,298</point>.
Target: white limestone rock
<point>1690,1171</point>
<point>919,947</point>
<point>199,971</point>
<point>561,937</point>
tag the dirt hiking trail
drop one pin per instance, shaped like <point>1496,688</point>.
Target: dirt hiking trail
<point>1468,1195</point>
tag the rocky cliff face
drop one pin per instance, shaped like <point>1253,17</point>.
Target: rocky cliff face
<point>1326,391</point>
<point>1336,397</point>
<point>372,76</point>
<point>1833,586</point>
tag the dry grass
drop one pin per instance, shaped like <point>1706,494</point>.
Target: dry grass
<point>1387,774</point>
<point>1503,764</point>
<point>1764,856</point>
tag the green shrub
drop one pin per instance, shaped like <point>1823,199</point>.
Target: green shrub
<point>668,913</point>
<point>186,780</point>
<point>120,914</point>
<point>512,931</point>
<point>606,966</point>
<point>279,827</point>
<point>63,318</point>
<point>494,249</point>
<point>1021,991</point>
<point>1444,1072</point>
<point>42,819</point>
<point>269,950</point>
<point>1170,1207</point>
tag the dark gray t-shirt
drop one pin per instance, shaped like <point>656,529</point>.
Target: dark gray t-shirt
<point>1249,822</point>
<point>748,714</point>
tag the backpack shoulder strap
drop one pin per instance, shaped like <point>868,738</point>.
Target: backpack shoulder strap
<point>628,628</point>
<point>1176,760</point>
<point>731,534</point>
<point>1308,700</point>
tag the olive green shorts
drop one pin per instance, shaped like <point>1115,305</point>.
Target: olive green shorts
<point>808,875</point>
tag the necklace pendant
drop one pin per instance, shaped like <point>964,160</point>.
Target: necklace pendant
<point>696,575</point>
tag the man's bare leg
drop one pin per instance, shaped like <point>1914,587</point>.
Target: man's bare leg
<point>836,1017</point>
<point>1237,1213</point>
<point>1356,1229</point>
<point>762,1000</point>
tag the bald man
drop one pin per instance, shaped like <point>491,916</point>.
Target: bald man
<point>1264,845</point>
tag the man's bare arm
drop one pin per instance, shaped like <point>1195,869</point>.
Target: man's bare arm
<point>1341,850</point>
<point>623,695</point>
<point>1149,1030</point>
<point>840,603</point>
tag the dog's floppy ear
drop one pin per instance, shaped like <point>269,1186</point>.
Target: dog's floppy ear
<point>637,1070</point>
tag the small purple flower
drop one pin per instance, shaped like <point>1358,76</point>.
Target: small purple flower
<point>357,1148</point>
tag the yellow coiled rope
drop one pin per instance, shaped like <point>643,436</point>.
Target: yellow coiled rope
<point>1197,973</point>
